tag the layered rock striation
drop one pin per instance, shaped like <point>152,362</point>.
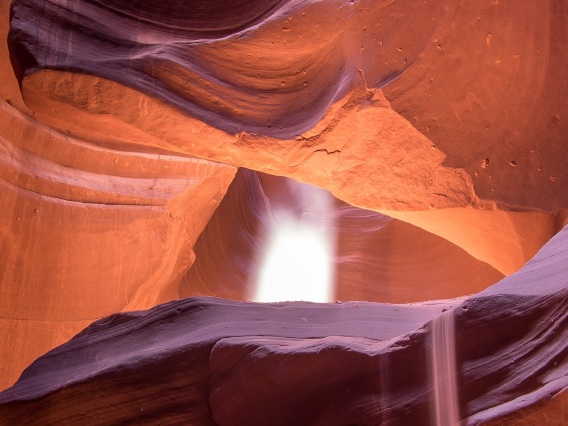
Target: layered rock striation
<point>86,231</point>
<point>122,126</point>
<point>317,111</point>
<point>374,257</point>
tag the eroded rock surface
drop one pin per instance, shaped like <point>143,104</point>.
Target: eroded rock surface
<point>86,231</point>
<point>374,258</point>
<point>462,131</point>
<point>447,116</point>
<point>211,361</point>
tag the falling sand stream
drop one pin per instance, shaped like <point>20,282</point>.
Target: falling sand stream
<point>444,370</point>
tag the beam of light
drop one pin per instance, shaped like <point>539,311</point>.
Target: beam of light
<point>297,267</point>
<point>444,370</point>
<point>299,264</point>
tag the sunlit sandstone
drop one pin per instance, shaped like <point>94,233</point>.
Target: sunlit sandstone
<point>119,145</point>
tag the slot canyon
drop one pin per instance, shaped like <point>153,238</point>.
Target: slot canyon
<point>284,212</point>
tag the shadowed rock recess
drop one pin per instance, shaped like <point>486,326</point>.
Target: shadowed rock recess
<point>153,154</point>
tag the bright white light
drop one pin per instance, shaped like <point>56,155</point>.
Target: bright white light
<point>298,266</point>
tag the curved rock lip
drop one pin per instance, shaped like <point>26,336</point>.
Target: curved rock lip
<point>303,363</point>
<point>159,48</point>
<point>483,91</point>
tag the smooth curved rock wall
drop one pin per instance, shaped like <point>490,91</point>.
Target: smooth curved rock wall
<point>375,258</point>
<point>86,231</point>
<point>315,111</point>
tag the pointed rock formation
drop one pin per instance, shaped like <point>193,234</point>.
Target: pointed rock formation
<point>375,258</point>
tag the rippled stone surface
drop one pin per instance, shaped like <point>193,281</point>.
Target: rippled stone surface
<point>122,125</point>
<point>213,361</point>
<point>390,106</point>
<point>85,230</point>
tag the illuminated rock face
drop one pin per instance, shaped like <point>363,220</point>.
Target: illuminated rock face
<point>87,231</point>
<point>314,112</point>
<point>373,257</point>
<point>120,190</point>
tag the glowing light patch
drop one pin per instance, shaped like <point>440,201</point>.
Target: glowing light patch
<point>297,267</point>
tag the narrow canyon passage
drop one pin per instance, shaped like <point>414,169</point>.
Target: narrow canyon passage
<point>369,256</point>
<point>283,212</point>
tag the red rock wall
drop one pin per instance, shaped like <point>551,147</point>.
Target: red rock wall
<point>125,132</point>
<point>375,258</point>
<point>87,231</point>
<point>213,361</point>
<point>314,112</point>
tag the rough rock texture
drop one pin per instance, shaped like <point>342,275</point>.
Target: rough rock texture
<point>550,412</point>
<point>376,258</point>
<point>87,231</point>
<point>481,80</point>
<point>211,361</point>
<point>114,74</point>
<point>493,78</point>
<point>78,245</point>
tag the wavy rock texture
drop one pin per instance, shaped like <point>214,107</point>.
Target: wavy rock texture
<point>313,112</point>
<point>376,258</point>
<point>98,243</point>
<point>547,412</point>
<point>211,361</point>
<point>87,231</point>
<point>232,247</point>
<point>126,131</point>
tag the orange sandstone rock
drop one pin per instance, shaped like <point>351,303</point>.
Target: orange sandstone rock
<point>362,151</point>
<point>87,231</point>
<point>79,245</point>
<point>375,258</point>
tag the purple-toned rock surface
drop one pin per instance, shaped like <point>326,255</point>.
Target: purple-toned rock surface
<point>211,361</point>
<point>483,81</point>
